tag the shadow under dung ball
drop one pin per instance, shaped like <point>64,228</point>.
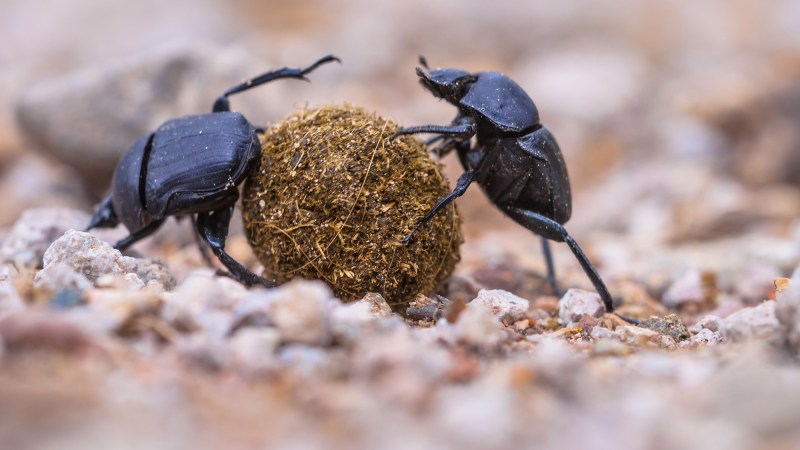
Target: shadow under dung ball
<point>332,198</point>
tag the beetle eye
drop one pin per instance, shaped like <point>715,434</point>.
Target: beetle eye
<point>462,84</point>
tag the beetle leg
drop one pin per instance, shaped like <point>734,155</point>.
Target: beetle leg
<point>462,184</point>
<point>459,131</point>
<point>213,228</point>
<point>138,235</point>
<point>201,244</point>
<point>222,103</point>
<point>553,230</point>
<point>435,139</point>
<point>551,269</point>
<point>448,145</point>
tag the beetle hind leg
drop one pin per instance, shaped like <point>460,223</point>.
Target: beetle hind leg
<point>213,228</point>
<point>553,230</point>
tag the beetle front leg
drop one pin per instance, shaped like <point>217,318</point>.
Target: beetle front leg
<point>213,228</point>
<point>448,145</point>
<point>138,235</point>
<point>462,184</point>
<point>459,131</point>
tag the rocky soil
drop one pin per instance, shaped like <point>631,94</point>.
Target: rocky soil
<point>679,125</point>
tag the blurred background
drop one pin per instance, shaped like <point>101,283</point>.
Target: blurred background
<point>680,125</point>
<point>680,122</point>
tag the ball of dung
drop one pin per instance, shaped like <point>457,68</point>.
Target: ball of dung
<point>332,198</point>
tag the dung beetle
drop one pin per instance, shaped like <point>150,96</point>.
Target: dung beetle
<point>514,159</point>
<point>191,166</point>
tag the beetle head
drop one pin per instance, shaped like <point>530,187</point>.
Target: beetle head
<point>449,84</point>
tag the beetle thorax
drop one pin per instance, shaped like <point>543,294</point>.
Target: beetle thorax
<point>499,105</point>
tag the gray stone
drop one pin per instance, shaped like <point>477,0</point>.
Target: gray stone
<point>378,307</point>
<point>10,300</point>
<point>300,310</point>
<point>204,352</point>
<point>599,333</point>
<point>577,302</point>
<point>349,321</point>
<point>557,362</point>
<point>253,349</point>
<point>304,360</point>
<point>755,282</point>
<point>478,327</point>
<point>35,230</point>
<point>787,311</point>
<point>60,275</point>
<point>93,258</point>
<point>503,304</point>
<point>710,322</point>
<point>691,287</point>
<point>202,302</point>
<point>756,322</point>
<point>706,337</point>
<point>610,347</point>
<point>638,336</point>
<point>118,309</point>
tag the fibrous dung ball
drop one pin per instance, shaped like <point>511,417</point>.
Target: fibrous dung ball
<point>333,197</point>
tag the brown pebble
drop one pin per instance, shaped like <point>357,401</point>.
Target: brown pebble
<point>781,284</point>
<point>522,325</point>
<point>454,309</point>
<point>546,303</point>
<point>36,330</point>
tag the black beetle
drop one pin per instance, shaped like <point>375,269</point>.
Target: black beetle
<point>515,159</point>
<point>191,166</point>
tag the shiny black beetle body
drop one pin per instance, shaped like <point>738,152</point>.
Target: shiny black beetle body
<point>193,166</point>
<point>514,159</point>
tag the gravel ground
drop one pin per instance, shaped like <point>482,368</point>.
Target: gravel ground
<point>679,128</point>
